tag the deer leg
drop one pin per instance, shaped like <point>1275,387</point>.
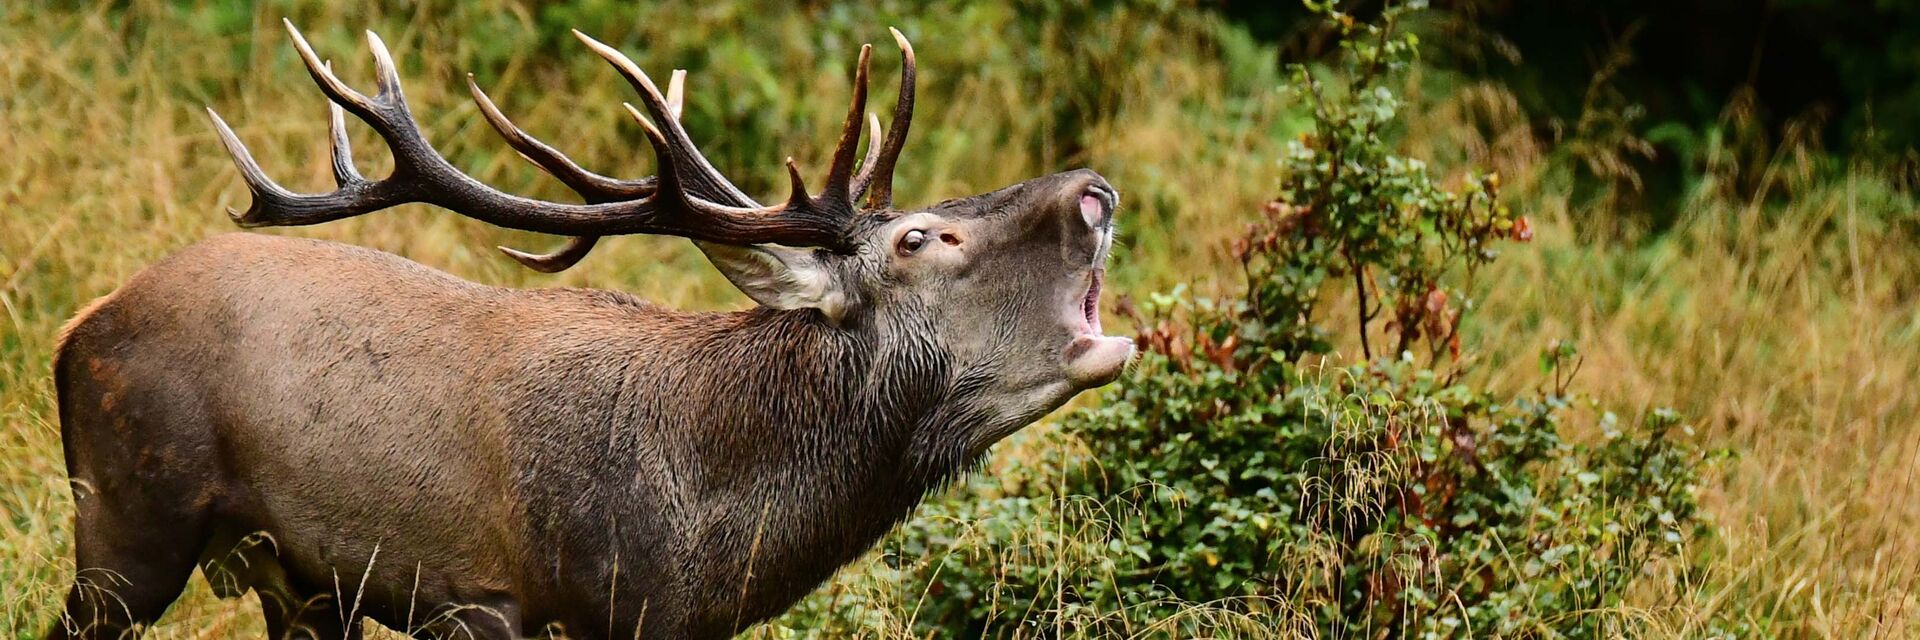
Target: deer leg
<point>288,615</point>
<point>140,519</point>
<point>131,564</point>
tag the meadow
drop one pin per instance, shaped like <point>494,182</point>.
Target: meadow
<point>1777,312</point>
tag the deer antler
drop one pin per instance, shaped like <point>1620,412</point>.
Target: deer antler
<point>879,175</point>
<point>594,187</point>
<point>591,187</point>
<point>679,203</point>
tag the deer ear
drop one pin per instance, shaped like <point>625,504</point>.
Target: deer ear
<point>780,277</point>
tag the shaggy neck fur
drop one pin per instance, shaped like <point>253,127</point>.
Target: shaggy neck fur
<point>850,427</point>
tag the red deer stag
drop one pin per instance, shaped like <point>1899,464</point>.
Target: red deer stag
<point>352,435</point>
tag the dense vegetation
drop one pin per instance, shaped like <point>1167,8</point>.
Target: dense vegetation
<point>1361,283</point>
<point>1241,468</point>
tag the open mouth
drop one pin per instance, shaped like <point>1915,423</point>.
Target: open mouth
<point>1096,207</point>
<point>1090,306</point>
<point>1092,358</point>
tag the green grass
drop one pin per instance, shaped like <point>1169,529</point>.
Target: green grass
<point>1784,324</point>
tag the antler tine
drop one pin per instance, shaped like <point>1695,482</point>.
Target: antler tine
<point>876,179</point>
<point>677,93</point>
<point>578,247</point>
<point>387,77</point>
<point>562,259</point>
<point>264,189</point>
<point>873,155</point>
<point>344,173</point>
<point>698,173</point>
<point>840,175</point>
<point>591,186</point>
<point>798,193</point>
<point>671,182</point>
<point>323,75</point>
<point>421,175</point>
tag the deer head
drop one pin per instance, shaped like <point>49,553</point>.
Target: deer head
<point>1005,282</point>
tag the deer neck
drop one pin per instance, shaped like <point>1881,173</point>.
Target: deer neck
<point>884,402</point>
<point>849,430</point>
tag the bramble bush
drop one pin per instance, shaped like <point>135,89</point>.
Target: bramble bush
<point>1240,482</point>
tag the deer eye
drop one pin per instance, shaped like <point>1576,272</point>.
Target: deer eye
<point>911,241</point>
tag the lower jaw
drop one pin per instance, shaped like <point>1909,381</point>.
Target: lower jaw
<point>1092,360</point>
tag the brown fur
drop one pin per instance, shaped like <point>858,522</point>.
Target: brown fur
<point>350,434</point>
<point>79,317</point>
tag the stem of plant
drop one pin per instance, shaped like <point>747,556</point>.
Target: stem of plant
<point>1360,296</point>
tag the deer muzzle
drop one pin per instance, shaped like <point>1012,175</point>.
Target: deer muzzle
<point>1093,359</point>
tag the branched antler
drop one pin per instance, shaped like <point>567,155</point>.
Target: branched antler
<point>594,187</point>
<point>686,198</point>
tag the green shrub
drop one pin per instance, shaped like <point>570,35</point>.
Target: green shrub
<point>1238,482</point>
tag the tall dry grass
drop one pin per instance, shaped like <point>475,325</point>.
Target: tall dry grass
<point>1780,313</point>
<point>1783,321</point>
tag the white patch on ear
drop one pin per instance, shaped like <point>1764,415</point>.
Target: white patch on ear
<point>779,277</point>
